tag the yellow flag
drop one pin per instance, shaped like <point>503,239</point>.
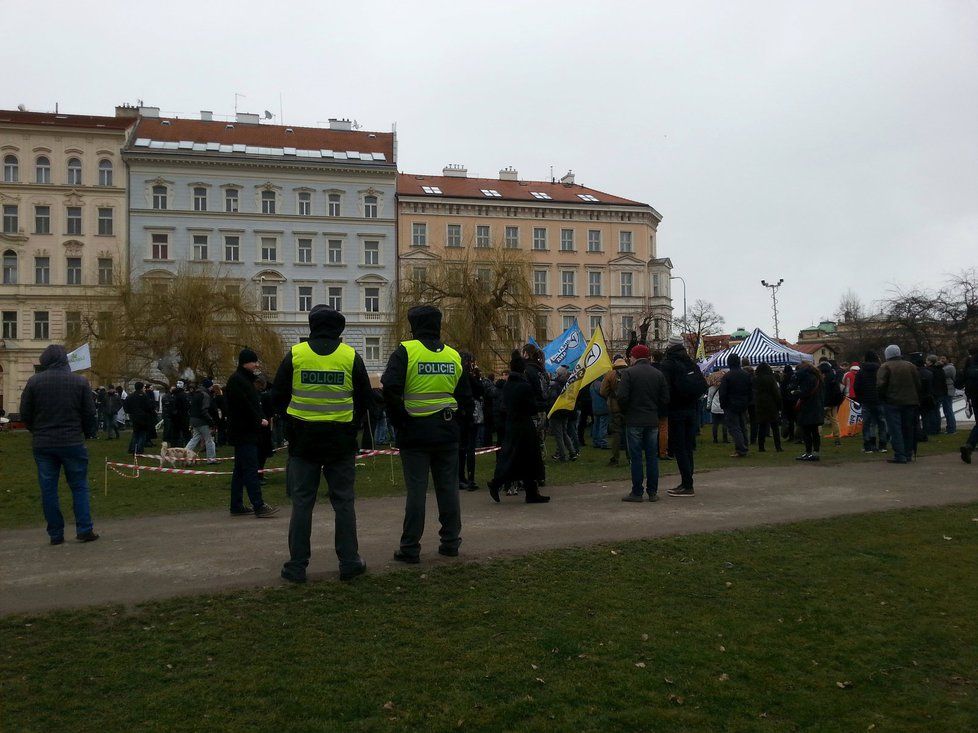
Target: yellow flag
<point>594,362</point>
<point>700,350</point>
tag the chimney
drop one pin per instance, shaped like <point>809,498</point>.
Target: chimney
<point>246,118</point>
<point>206,115</point>
<point>568,178</point>
<point>149,111</point>
<point>126,111</point>
<point>335,124</point>
<point>454,170</point>
<point>508,174</point>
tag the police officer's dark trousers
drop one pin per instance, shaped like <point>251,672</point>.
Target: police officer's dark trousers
<point>442,463</point>
<point>302,480</point>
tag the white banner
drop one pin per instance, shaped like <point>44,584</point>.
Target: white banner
<point>80,358</point>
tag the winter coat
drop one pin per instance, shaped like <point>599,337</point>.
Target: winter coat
<point>736,390</point>
<point>599,405</point>
<point>713,400</point>
<point>926,388</point>
<point>898,383</point>
<point>808,390</point>
<point>831,385</point>
<point>768,396</point>
<point>244,408</point>
<point>967,378</point>
<point>642,394</point>
<point>609,389</point>
<point>675,364</point>
<point>519,459</point>
<point>57,405</point>
<point>539,384</point>
<point>939,386</point>
<point>141,408</point>
<point>865,383</point>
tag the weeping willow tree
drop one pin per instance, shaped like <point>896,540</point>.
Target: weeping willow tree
<point>193,323</point>
<point>485,296</point>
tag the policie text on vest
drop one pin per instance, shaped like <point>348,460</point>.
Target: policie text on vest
<point>435,367</point>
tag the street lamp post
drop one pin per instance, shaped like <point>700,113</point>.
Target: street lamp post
<point>681,279</point>
<point>774,302</point>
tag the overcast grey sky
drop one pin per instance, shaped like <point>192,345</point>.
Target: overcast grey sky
<point>834,144</point>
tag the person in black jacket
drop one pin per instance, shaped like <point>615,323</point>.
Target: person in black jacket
<point>874,427</point>
<point>325,448</point>
<point>926,396</point>
<point>520,459</point>
<point>832,397</point>
<point>938,391</point>
<point>202,421</point>
<point>141,408</point>
<point>468,430</point>
<point>539,381</point>
<point>181,414</point>
<point>245,420</point>
<point>683,408</point>
<point>966,378</point>
<point>736,394</point>
<point>808,389</point>
<point>788,403</point>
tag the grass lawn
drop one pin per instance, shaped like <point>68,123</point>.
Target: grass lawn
<point>378,476</point>
<point>852,624</point>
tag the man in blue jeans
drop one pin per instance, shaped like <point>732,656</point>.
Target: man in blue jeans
<point>58,409</point>
<point>642,392</point>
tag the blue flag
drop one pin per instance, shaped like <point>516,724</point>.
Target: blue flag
<point>565,350</point>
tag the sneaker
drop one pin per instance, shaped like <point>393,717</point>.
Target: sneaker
<point>837,442</point>
<point>682,491</point>
<point>882,450</point>
<point>966,451</point>
<point>575,456</point>
<point>88,536</point>
<point>803,457</point>
<point>405,558</point>
<point>265,511</point>
<point>633,499</point>
<point>241,511</point>
<point>654,497</point>
<point>355,572</point>
<point>738,455</point>
<point>292,577</point>
<point>511,491</point>
<point>814,457</point>
<point>448,551</point>
<point>895,460</point>
<point>57,540</point>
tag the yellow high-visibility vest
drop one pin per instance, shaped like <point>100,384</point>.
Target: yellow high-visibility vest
<point>431,379</point>
<point>322,386</point>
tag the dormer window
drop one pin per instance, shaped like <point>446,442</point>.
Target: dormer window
<point>433,190</point>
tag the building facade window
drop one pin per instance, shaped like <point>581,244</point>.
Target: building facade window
<point>626,284</point>
<point>9,328</point>
<point>595,323</point>
<point>200,247</point>
<point>419,274</point>
<point>305,298</point>
<point>627,326</point>
<point>305,203</point>
<point>159,197</point>
<point>594,283</point>
<point>369,207</point>
<point>419,234</point>
<point>334,251</point>
<point>303,251</point>
<point>42,169</point>
<point>334,297</point>
<point>105,271</point>
<point>269,298</point>
<point>454,236</point>
<point>9,267</point>
<point>105,173</point>
<point>160,249</point>
<point>539,282</point>
<point>11,219</point>
<point>656,285</point>
<point>232,248</point>
<point>333,204</point>
<point>268,202</point>
<point>482,236</point>
<point>73,271</point>
<point>371,348</point>
<point>42,270</point>
<point>371,252</point>
<point>371,300</point>
<point>567,322</point>
<point>540,327</point>
<point>624,241</point>
<point>105,221</point>
<point>567,278</point>
<point>72,324</point>
<point>42,219</point>
<point>200,198</point>
<point>74,172</point>
<point>269,249</point>
<point>539,238</point>
<point>231,200</point>
<point>594,240</point>
<point>73,220</point>
<point>11,169</point>
<point>512,238</point>
<point>566,240</point>
<point>42,325</point>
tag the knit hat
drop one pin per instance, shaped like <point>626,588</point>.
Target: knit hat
<point>640,351</point>
<point>207,383</point>
<point>619,362</point>
<point>180,384</point>
<point>892,351</point>
<point>675,340</point>
<point>247,356</point>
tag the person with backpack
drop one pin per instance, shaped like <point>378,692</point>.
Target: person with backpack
<point>967,379</point>
<point>833,396</point>
<point>686,385</point>
<point>736,394</point>
<point>616,424</point>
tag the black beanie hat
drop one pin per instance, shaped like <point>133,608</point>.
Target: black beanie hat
<point>326,321</point>
<point>247,356</point>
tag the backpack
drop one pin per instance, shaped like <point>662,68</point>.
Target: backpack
<point>691,384</point>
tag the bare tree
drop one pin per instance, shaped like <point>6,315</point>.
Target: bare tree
<point>485,297</point>
<point>701,320</point>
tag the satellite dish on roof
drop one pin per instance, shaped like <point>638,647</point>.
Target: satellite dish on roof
<point>22,107</point>
<point>268,115</point>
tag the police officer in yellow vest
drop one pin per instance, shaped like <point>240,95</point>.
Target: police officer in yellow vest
<point>423,391</point>
<point>323,389</point>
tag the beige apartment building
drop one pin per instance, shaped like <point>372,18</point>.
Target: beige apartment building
<point>63,239</point>
<point>594,256</point>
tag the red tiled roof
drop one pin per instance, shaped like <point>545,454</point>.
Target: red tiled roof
<point>409,184</point>
<point>50,119</point>
<point>270,136</point>
<point>811,348</point>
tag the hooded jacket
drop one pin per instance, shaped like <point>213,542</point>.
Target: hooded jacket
<point>675,363</point>
<point>322,442</point>
<point>429,431</point>
<point>57,406</point>
<point>865,383</point>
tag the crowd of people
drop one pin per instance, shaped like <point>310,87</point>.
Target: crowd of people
<point>435,405</point>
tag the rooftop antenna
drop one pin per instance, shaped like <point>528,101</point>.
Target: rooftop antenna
<point>236,95</point>
<point>774,302</point>
<point>552,179</point>
<point>281,114</point>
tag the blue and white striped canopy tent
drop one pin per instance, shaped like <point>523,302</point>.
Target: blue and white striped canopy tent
<point>756,348</point>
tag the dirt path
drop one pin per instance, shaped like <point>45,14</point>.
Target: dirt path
<point>183,554</point>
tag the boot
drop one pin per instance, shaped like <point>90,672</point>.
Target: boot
<point>533,495</point>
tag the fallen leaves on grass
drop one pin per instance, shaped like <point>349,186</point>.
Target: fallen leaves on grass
<point>389,705</point>
<point>640,665</point>
<point>677,699</point>
<point>847,685</point>
<point>724,677</point>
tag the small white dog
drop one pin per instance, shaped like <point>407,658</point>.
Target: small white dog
<point>176,456</point>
